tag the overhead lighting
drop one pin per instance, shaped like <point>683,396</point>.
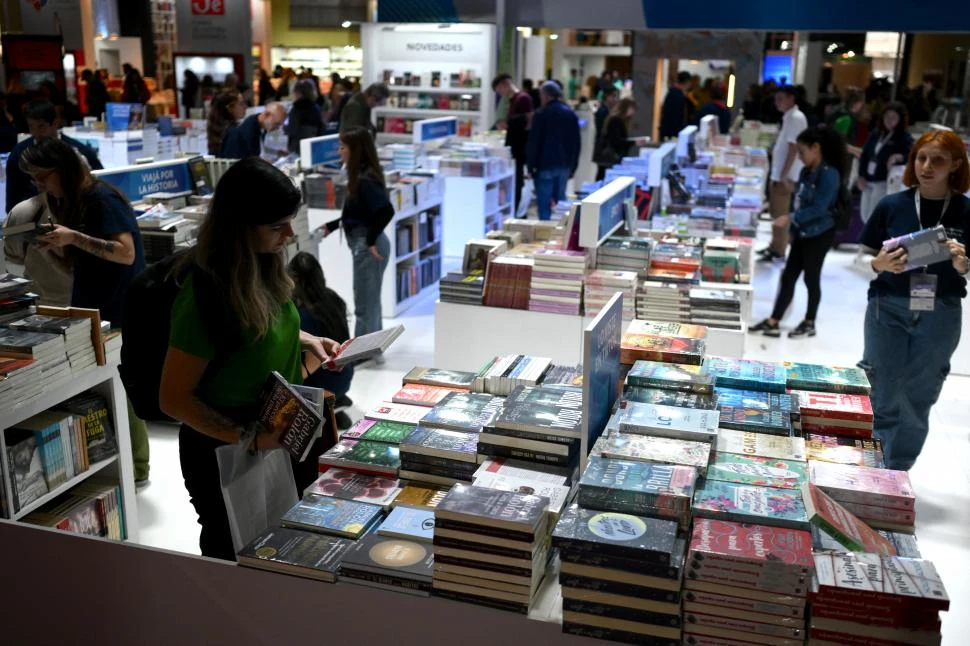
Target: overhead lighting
<point>730,92</point>
<point>785,44</point>
<point>832,47</point>
<point>346,24</point>
<point>554,37</point>
<point>850,54</point>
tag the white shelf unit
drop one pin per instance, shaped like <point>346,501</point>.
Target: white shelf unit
<point>337,261</point>
<point>422,49</point>
<point>105,381</point>
<point>470,211</point>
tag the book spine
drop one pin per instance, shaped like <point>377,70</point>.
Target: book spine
<point>866,497</point>
<point>619,612</point>
<point>494,450</point>
<point>645,567</point>
<point>747,580</point>
<point>578,548</point>
<point>595,632</point>
<point>861,614</point>
<point>770,566</point>
<point>616,496</point>
<point>612,587</point>
<point>744,603</point>
<point>743,626</point>
<point>380,579</point>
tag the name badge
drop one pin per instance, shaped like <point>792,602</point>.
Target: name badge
<point>871,168</point>
<point>922,292</point>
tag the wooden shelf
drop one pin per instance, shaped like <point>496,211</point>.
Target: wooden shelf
<point>64,486</point>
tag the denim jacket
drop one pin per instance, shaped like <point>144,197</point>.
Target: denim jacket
<point>817,192</point>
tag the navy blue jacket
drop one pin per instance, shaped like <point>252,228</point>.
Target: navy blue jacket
<point>244,140</point>
<point>19,186</point>
<point>675,113</point>
<point>900,144</point>
<point>817,191</point>
<point>554,139</point>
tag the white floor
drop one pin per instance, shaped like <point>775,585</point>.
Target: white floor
<point>941,477</point>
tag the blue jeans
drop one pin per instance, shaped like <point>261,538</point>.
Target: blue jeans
<point>907,357</point>
<point>368,273</point>
<point>550,185</point>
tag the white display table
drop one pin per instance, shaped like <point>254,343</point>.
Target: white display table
<point>472,207</point>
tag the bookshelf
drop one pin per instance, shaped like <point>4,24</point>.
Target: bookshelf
<point>473,206</point>
<point>105,381</point>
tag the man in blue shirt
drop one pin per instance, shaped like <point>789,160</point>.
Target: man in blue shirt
<point>43,123</point>
<point>246,139</point>
<point>553,149</point>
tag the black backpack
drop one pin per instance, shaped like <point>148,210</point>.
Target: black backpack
<point>146,321</point>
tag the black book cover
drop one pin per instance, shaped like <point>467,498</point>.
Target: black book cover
<point>616,534</point>
<point>612,587</point>
<point>98,428</point>
<point>284,411</point>
<point>482,548</point>
<point>495,450</point>
<point>462,411</point>
<point>619,612</point>
<point>392,557</point>
<point>648,567</point>
<point>482,601</point>
<point>444,472</point>
<point>478,565</point>
<point>544,396</point>
<point>535,437</point>
<point>538,418</point>
<point>417,461</point>
<point>424,440</point>
<point>663,397</point>
<point>490,507</point>
<point>297,548</point>
<point>459,526</point>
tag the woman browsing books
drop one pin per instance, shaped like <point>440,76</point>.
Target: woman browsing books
<point>234,323</point>
<point>367,211</point>
<point>822,151</point>
<point>914,317</point>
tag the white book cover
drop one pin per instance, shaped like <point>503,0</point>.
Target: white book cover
<point>760,444</point>
<point>557,494</point>
<point>669,421</point>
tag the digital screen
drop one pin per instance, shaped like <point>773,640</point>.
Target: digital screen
<point>777,68</point>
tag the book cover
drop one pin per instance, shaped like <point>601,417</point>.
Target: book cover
<point>869,443</point>
<point>774,548</point>
<point>556,493</point>
<point>349,485</point>
<point>670,329</point>
<point>834,406</point>
<point>842,454</point>
<point>521,469</point>
<point>648,448</point>
<point>297,552</point>
<point>454,445</point>
<point>421,394</point>
<point>666,397</point>
<point>387,432</point>
<point>651,347</point>
<point>284,411</point>
<point>332,516</point>
<point>368,346</point>
<point>655,374</point>
<point>420,496</point>
<point>834,379</point>
<point>357,431</point>
<point>748,503</point>
<point>462,411</point>
<point>748,374</point>
<point>409,523</point>
<point>403,413</point>
<point>757,470</point>
<point>836,521</point>
<point>636,484</point>
<point>617,534</point>
<point>563,418</point>
<point>505,509</point>
<point>748,410</point>
<point>364,457</point>
<point>98,427</point>
<point>395,557</point>
<point>27,472</point>
<point>863,485</point>
<point>888,581</point>
<point>923,248</point>
<point>766,446</point>
<point>669,421</point>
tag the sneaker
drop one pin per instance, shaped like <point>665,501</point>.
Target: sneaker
<point>769,255</point>
<point>343,402</point>
<point>766,329</point>
<point>804,329</point>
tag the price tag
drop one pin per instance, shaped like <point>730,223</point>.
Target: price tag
<point>922,292</point>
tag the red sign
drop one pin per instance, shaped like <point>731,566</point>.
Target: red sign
<point>208,7</point>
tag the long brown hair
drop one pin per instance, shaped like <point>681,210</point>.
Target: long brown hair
<point>220,118</point>
<point>620,111</point>
<point>363,157</point>
<point>254,285</point>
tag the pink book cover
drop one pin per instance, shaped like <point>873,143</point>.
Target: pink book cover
<point>357,430</point>
<point>754,543</point>
<point>556,275</point>
<point>864,485</point>
<point>834,405</point>
<point>391,412</point>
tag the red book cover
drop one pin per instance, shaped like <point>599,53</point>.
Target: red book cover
<point>836,521</point>
<point>876,516</point>
<point>835,406</point>
<point>810,426</point>
<point>826,637</point>
<point>772,546</point>
<point>864,485</point>
<point>886,582</point>
<point>858,611</point>
<point>667,349</point>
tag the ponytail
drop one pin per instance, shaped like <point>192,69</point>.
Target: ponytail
<point>832,146</point>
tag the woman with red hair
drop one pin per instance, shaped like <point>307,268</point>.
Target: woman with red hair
<point>914,316</point>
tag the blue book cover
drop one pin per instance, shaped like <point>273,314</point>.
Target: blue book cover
<point>654,485</point>
<point>748,374</point>
<point>333,516</point>
<point>409,523</point>
<point>750,410</point>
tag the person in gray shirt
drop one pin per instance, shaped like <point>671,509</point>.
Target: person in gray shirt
<point>356,112</point>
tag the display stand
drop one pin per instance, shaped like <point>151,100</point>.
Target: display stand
<point>105,381</point>
<point>137,181</point>
<point>123,148</point>
<point>473,206</point>
<point>432,70</point>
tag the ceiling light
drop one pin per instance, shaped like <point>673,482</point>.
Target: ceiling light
<point>346,24</point>
<point>785,44</point>
<point>850,54</point>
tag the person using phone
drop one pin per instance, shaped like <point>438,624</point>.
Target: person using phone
<point>367,211</point>
<point>914,318</point>
<point>233,323</point>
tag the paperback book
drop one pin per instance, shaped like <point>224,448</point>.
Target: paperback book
<point>390,563</point>
<point>668,349</point>
<point>836,521</point>
<point>760,412</point>
<point>333,516</point>
<point>658,450</point>
<point>443,378</point>
<point>387,432</point>
<point>668,421</point>
<point>462,411</point>
<point>542,410</point>
<point>421,395</point>
<point>834,379</point>
<point>748,374</point>
<point>453,445</point>
<point>348,485</point>
<point>376,458</point>
<point>615,534</point>
<point>667,397</point>
<point>766,446</point>
<point>774,550</point>
<point>665,328</point>
<point>506,510</point>
<point>368,346</point>
<point>756,470</point>
<point>403,413</point>
<point>285,412</point>
<point>751,504</point>
<point>538,485</point>
<point>296,552</point>
<point>863,485</point>
<point>409,524</point>
<point>689,378</point>
<point>631,487</point>
<point>417,495</point>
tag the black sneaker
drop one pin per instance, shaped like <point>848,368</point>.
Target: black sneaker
<point>343,402</point>
<point>766,329</point>
<point>343,420</point>
<point>804,329</point>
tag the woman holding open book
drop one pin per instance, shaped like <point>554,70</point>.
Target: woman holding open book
<point>233,324</point>
<point>914,316</point>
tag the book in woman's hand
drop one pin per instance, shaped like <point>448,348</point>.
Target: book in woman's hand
<point>367,346</point>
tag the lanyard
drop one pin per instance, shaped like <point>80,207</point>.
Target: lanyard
<point>882,142</point>
<point>919,219</point>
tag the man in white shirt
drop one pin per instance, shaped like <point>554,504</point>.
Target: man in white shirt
<point>785,167</point>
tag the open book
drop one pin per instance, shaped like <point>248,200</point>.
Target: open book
<point>368,346</point>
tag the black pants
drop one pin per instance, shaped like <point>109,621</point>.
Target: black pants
<point>806,255</point>
<point>200,470</point>
<point>600,173</point>
<point>519,181</point>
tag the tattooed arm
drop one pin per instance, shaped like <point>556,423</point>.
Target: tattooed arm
<point>119,248</point>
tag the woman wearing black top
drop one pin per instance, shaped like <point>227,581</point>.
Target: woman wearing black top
<point>305,120</point>
<point>887,146</point>
<point>226,111</point>
<point>367,211</point>
<point>909,341</point>
<point>614,142</point>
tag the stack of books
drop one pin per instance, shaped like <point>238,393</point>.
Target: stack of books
<point>503,374</point>
<point>464,412</point>
<point>835,414</point>
<point>760,444</point>
<point>390,563</point>
<point>719,308</point>
<point>557,281</point>
<point>506,474</point>
<point>721,266</point>
<point>759,412</point>
<point>679,257</point>
<point>541,425</point>
<point>439,457</point>
<point>663,301</point>
<point>490,547</point>
<point>841,525</point>
<point>843,450</point>
<point>466,289</point>
<point>602,284</point>
<point>832,379</point>
<point>748,374</point>
<point>77,337</point>
<point>620,576</point>
<point>16,300</point>
<point>570,377</point>
<point>638,488</point>
<point>436,377</point>
<point>624,254</point>
<point>636,346</point>
<point>746,583</point>
<point>883,498</point>
<point>862,598</point>
<point>508,283</point>
<point>20,380</point>
<point>47,351</point>
<point>296,552</point>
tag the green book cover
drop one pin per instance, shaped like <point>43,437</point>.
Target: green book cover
<point>831,379</point>
<point>757,470</point>
<point>387,432</point>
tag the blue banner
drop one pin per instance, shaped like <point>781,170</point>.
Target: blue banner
<point>431,129</point>
<point>138,181</point>
<point>124,116</point>
<point>317,151</point>
<point>601,372</point>
<point>613,212</point>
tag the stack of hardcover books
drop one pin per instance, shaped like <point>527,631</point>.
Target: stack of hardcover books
<point>832,379</point>
<point>77,337</point>
<point>508,282</point>
<point>537,424</point>
<point>746,583</point>
<point>466,289</point>
<point>502,374</point>
<point>843,450</point>
<point>624,254</point>
<point>883,498</point>
<point>491,547</point>
<point>601,284</point>
<point>758,412</point>
<point>748,374</point>
<point>863,598</point>
<point>557,282</point>
<point>639,488</point>
<point>835,414</point>
<point>620,576</point>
